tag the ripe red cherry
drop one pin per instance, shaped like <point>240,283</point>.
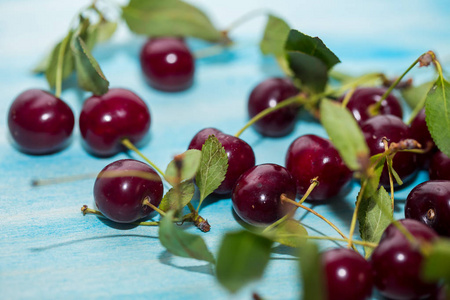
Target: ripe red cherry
<point>397,265</point>
<point>39,122</point>
<point>121,198</point>
<point>440,166</point>
<point>240,156</point>
<point>256,195</point>
<point>363,98</point>
<point>268,94</point>
<point>393,128</point>
<point>429,203</point>
<point>107,119</point>
<point>419,131</point>
<point>310,156</point>
<point>167,64</point>
<point>347,275</point>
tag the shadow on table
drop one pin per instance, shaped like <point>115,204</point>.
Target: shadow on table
<point>166,258</point>
<point>68,243</point>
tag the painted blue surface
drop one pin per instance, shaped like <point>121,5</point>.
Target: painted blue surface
<point>48,250</point>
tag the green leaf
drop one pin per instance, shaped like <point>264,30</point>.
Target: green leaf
<point>345,133</point>
<point>437,264</point>
<point>290,233</point>
<point>242,258</point>
<point>312,273</point>
<point>275,35</point>
<point>394,173</point>
<point>374,180</point>
<point>415,95</point>
<point>437,111</point>
<point>68,62</point>
<point>156,18</point>
<point>190,162</point>
<point>374,215</point>
<point>90,76</point>
<point>181,243</point>
<point>103,30</point>
<point>213,167</point>
<point>173,201</point>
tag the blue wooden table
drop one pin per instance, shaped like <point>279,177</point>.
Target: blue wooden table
<point>49,250</point>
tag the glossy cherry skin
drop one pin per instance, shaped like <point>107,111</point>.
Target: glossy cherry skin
<point>363,98</point>
<point>393,128</point>
<point>429,203</point>
<point>107,119</point>
<point>268,94</point>
<point>240,156</point>
<point>439,166</point>
<point>347,275</point>
<point>39,122</point>
<point>120,198</point>
<point>419,131</point>
<point>397,265</point>
<point>311,156</point>
<point>256,195</point>
<point>167,64</point>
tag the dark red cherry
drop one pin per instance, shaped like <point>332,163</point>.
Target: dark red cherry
<point>39,122</point>
<point>268,94</point>
<point>167,64</point>
<point>397,265</point>
<point>429,203</point>
<point>256,195</point>
<point>107,119</point>
<point>419,132</point>
<point>363,98</point>
<point>393,128</point>
<point>119,191</point>
<point>439,166</point>
<point>310,156</point>
<point>347,275</point>
<point>240,156</point>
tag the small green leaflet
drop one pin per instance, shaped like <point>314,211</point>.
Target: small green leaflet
<point>437,111</point>
<point>103,30</point>
<point>290,233</point>
<point>181,243</point>
<point>345,133</point>
<point>90,76</point>
<point>242,258</point>
<point>374,215</point>
<point>156,18</point>
<point>68,61</point>
<point>415,96</point>
<point>173,201</point>
<point>437,264</point>
<point>312,273</point>
<point>213,167</point>
<point>309,59</point>
<point>275,35</point>
<point>374,181</point>
<point>190,163</point>
<point>390,164</point>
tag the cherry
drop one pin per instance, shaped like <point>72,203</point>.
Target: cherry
<point>363,98</point>
<point>240,156</point>
<point>256,194</point>
<point>310,156</point>
<point>439,166</point>
<point>39,122</point>
<point>396,264</point>
<point>167,64</point>
<point>121,198</point>
<point>347,275</point>
<point>268,94</point>
<point>392,128</point>
<point>429,203</point>
<point>108,119</point>
<point>419,131</point>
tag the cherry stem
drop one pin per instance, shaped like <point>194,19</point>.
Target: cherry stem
<point>362,243</point>
<point>246,17</point>
<point>59,67</point>
<point>355,214</point>
<point>348,96</point>
<point>149,204</point>
<point>293,100</point>
<point>287,200</point>
<point>86,210</point>
<point>314,183</point>
<point>127,143</point>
